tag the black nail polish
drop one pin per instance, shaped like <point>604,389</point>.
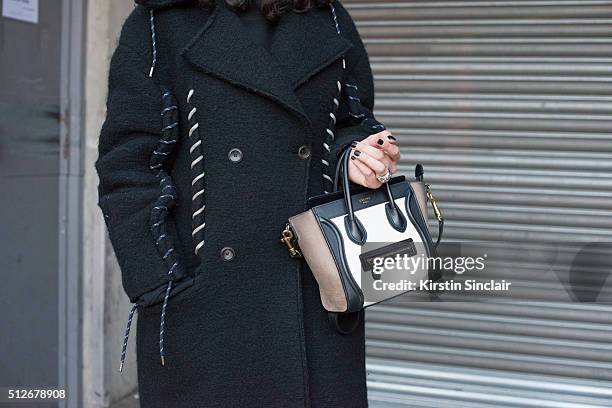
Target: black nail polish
<point>357,153</point>
<point>354,145</point>
<point>381,142</point>
<point>353,158</point>
<point>391,138</point>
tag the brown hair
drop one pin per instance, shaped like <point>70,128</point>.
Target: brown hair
<point>272,9</point>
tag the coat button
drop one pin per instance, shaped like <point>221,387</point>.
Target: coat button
<point>235,155</point>
<point>304,152</point>
<point>228,254</point>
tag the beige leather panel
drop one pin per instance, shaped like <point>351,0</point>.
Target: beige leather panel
<point>316,252</point>
<point>421,194</point>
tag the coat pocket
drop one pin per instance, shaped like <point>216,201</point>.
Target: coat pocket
<point>145,270</point>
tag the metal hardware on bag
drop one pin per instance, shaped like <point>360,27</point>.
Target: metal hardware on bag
<point>287,239</point>
<point>434,203</point>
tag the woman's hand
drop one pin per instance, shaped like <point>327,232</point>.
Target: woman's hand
<point>374,156</point>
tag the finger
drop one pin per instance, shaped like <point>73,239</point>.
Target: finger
<point>358,173</point>
<point>379,155</point>
<point>363,169</point>
<point>385,135</point>
<point>391,149</point>
<point>370,150</point>
<point>386,142</point>
<point>377,166</point>
<point>363,175</point>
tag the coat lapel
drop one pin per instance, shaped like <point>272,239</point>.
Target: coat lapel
<point>303,44</point>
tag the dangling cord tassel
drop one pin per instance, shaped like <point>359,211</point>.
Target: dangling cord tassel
<point>162,324</point>
<point>126,336</point>
<point>153,43</point>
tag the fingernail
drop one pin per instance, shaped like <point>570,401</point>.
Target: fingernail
<point>353,158</point>
<point>357,153</point>
<point>391,138</point>
<point>381,142</point>
<point>354,145</point>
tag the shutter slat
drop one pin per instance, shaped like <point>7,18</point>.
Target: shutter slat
<point>508,105</point>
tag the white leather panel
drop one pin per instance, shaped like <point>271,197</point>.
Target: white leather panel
<point>374,219</point>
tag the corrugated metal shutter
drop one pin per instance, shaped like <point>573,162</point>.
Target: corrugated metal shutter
<point>509,106</point>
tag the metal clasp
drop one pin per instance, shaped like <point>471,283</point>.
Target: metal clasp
<point>288,240</point>
<point>434,203</point>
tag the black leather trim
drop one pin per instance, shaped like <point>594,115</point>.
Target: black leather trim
<point>414,213</point>
<point>394,214</point>
<point>355,230</point>
<point>335,258</point>
<point>354,295</point>
<point>345,323</point>
<point>330,197</point>
<point>332,205</point>
<point>396,217</point>
<point>415,210</point>
<point>417,222</point>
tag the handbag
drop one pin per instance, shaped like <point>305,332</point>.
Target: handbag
<point>344,232</point>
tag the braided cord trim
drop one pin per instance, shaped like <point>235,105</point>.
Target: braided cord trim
<point>359,114</point>
<point>167,198</point>
<point>126,336</point>
<point>165,202</point>
<point>196,151</point>
<point>162,207</point>
<point>153,43</point>
<point>330,136</point>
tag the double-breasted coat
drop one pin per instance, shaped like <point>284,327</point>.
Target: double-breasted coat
<point>211,142</point>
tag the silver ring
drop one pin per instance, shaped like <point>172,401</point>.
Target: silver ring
<point>385,179</point>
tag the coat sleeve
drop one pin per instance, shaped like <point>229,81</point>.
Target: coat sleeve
<point>355,119</point>
<point>135,199</point>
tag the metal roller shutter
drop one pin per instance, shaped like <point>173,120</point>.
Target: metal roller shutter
<point>509,106</point>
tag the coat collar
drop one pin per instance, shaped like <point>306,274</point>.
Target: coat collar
<point>159,4</point>
<point>302,45</point>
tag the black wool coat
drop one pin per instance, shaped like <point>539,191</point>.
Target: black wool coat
<point>211,142</point>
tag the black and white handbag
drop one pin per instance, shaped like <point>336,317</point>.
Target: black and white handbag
<point>344,233</point>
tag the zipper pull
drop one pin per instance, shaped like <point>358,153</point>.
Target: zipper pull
<point>287,239</point>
